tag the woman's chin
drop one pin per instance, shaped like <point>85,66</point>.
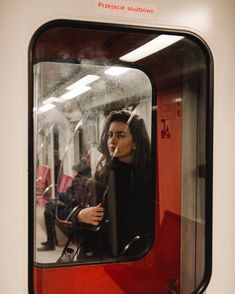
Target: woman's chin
<point>113,155</point>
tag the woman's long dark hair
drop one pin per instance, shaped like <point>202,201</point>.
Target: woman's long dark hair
<point>141,163</point>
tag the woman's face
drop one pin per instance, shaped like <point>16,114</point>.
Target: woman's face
<point>120,142</point>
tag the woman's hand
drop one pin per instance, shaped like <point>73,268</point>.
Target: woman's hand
<point>91,215</point>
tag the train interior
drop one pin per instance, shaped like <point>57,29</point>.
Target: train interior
<point>71,129</point>
<point>80,74</point>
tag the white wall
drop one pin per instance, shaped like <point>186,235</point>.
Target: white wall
<point>18,21</point>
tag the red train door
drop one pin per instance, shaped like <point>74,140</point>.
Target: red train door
<point>169,91</point>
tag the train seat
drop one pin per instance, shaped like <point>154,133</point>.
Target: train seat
<point>43,182</point>
<point>65,182</point>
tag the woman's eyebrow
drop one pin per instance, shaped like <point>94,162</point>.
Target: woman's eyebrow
<point>117,132</point>
<point>121,132</point>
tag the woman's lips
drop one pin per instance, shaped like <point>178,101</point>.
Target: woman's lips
<point>113,150</point>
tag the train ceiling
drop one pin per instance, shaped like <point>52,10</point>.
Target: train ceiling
<point>64,54</point>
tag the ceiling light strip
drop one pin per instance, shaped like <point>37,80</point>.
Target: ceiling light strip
<point>151,47</point>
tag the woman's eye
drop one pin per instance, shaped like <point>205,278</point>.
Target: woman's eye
<point>118,136</point>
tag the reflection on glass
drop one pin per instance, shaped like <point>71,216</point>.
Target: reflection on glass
<point>91,132</point>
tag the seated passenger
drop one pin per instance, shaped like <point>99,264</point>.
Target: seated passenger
<point>74,195</point>
<point>115,216</point>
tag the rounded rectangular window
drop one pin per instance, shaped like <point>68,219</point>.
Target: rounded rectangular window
<point>92,145</point>
<point>121,155</point>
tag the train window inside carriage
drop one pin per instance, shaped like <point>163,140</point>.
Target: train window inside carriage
<point>151,198</point>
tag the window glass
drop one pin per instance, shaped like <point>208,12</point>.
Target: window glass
<point>89,121</point>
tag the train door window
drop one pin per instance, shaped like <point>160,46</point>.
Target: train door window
<point>120,157</point>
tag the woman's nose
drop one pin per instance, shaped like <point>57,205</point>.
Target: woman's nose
<point>113,140</point>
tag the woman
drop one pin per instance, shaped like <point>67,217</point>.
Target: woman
<point>115,220</point>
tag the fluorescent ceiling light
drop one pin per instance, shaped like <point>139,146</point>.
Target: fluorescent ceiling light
<point>50,100</point>
<point>74,93</point>
<point>151,47</point>
<point>46,107</point>
<point>88,79</point>
<point>116,70</point>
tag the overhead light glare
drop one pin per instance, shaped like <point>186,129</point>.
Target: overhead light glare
<point>46,107</point>
<point>88,79</point>
<point>151,47</point>
<point>116,70</point>
<point>74,93</point>
<point>50,100</point>
<point>178,99</point>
